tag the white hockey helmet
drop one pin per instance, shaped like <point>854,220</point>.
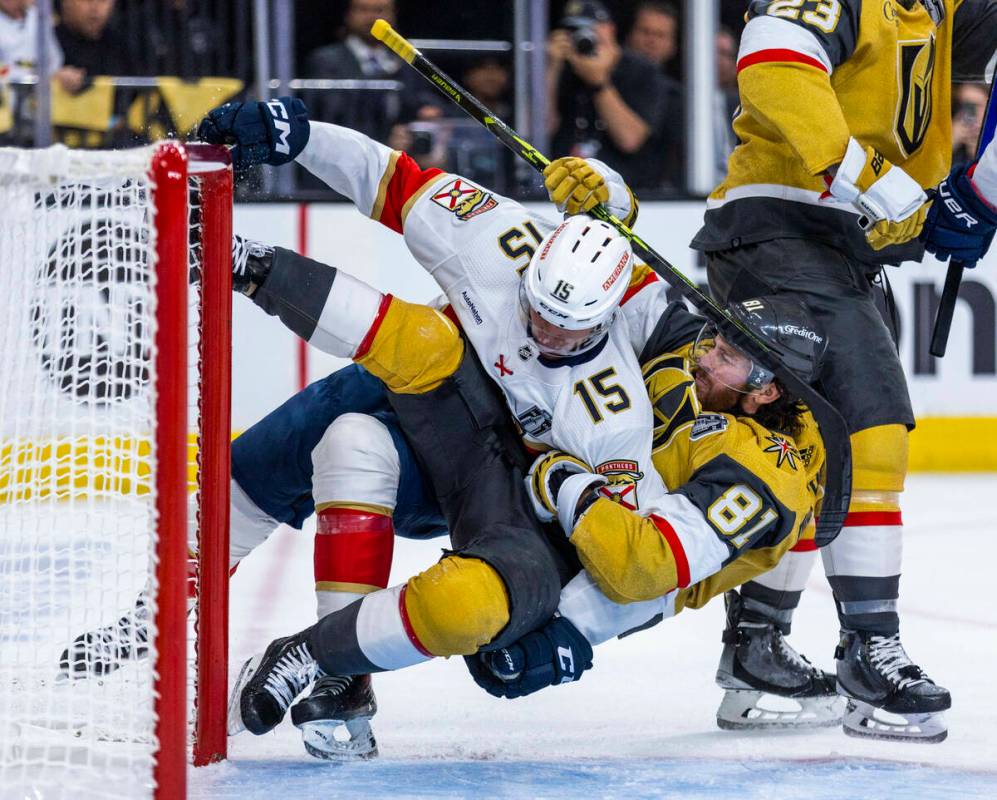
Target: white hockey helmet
<point>574,283</point>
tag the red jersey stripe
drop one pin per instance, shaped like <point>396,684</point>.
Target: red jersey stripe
<point>857,519</point>
<point>650,278</point>
<point>406,180</point>
<point>407,624</point>
<point>368,339</point>
<point>779,54</point>
<point>681,562</point>
<point>804,546</point>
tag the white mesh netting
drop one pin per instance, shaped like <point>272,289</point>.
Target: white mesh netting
<point>77,416</point>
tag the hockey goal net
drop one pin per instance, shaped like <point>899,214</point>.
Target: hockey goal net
<point>115,312</point>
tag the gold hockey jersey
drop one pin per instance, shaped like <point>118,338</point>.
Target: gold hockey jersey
<point>810,75</point>
<point>735,485</point>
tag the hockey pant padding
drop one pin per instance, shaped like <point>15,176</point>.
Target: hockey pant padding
<point>452,608</point>
<point>863,563</point>
<point>411,347</point>
<point>464,439</point>
<point>328,308</point>
<point>456,606</point>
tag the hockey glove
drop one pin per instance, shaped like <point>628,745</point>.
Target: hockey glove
<point>545,477</point>
<point>262,133</point>
<point>961,223</point>
<point>557,653</point>
<point>573,186</point>
<point>891,202</point>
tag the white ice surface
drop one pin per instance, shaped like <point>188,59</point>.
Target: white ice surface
<point>641,724</point>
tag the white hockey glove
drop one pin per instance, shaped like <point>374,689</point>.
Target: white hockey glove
<point>546,476</point>
<point>892,204</point>
<point>576,185</point>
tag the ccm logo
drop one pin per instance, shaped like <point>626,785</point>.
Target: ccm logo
<point>279,114</point>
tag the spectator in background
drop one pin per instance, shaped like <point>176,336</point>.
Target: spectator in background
<point>969,105</point>
<point>19,45</point>
<point>361,56</point>
<point>90,43</point>
<point>609,103</point>
<point>488,79</point>
<point>654,33</point>
<point>727,97</point>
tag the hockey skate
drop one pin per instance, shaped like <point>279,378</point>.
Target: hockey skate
<point>251,262</point>
<point>889,696</point>
<point>102,651</point>
<point>335,718</point>
<point>768,684</point>
<point>269,683</point>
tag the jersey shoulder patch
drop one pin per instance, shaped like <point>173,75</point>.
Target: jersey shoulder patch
<point>463,199</point>
<point>708,423</point>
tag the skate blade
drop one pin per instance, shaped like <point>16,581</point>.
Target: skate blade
<point>235,724</point>
<point>743,710</point>
<point>865,721</point>
<point>334,740</point>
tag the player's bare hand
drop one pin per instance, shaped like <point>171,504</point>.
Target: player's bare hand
<point>574,186</point>
<point>71,78</point>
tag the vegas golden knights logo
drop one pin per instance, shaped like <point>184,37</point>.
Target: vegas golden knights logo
<point>917,68</point>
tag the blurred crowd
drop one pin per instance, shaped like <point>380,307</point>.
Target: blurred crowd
<point>614,78</point>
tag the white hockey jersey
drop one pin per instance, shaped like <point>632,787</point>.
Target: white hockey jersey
<point>476,244</point>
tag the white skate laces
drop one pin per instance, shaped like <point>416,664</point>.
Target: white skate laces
<point>291,674</point>
<point>888,656</point>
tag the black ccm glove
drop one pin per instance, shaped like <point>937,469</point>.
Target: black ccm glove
<point>557,653</point>
<point>262,133</point>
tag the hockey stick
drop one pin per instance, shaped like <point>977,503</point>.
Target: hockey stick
<point>953,277</point>
<point>837,490</point>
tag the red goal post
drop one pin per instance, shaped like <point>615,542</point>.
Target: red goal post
<point>115,301</point>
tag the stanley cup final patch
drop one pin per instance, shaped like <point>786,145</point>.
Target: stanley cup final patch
<point>464,200</point>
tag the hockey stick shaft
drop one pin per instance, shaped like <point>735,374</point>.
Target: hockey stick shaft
<point>833,429</point>
<point>953,277</point>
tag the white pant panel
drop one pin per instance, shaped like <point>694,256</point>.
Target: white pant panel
<point>866,551</point>
<point>598,618</point>
<point>349,311</point>
<point>381,633</point>
<point>791,573</point>
<point>356,461</point>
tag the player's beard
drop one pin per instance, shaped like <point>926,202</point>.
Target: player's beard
<point>714,395</point>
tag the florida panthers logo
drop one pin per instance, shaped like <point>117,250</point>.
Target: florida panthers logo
<point>623,476</point>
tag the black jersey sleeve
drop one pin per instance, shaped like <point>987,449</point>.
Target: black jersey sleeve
<point>835,24</point>
<point>676,327</point>
<point>974,40</point>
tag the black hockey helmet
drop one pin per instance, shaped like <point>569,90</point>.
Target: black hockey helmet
<point>789,329</point>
